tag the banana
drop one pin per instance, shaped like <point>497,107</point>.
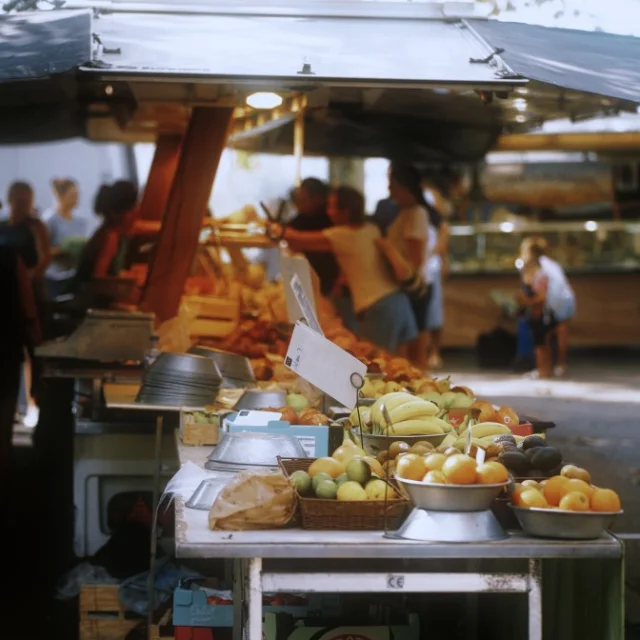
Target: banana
<point>364,417</point>
<point>461,443</point>
<point>417,428</point>
<point>368,390</point>
<point>390,401</point>
<point>449,441</point>
<point>498,426</point>
<point>415,409</point>
<point>485,429</point>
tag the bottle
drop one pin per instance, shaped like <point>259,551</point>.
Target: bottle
<point>152,352</point>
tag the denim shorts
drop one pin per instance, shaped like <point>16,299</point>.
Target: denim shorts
<point>389,322</point>
<point>564,310</point>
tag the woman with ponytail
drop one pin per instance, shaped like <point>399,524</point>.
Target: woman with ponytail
<point>409,234</point>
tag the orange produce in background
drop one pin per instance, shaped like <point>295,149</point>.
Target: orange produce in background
<point>573,484</point>
<point>574,501</point>
<point>434,461</point>
<point>326,465</point>
<point>533,499</point>
<point>507,416</point>
<point>487,412</point>
<point>435,477</point>
<point>491,473</point>
<point>605,501</point>
<point>460,469</point>
<point>554,490</point>
<point>411,467</point>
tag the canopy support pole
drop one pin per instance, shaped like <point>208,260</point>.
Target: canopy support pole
<point>161,175</point>
<point>185,208</point>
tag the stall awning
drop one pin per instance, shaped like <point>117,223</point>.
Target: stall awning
<point>296,51</point>
<point>588,61</point>
<point>39,44</point>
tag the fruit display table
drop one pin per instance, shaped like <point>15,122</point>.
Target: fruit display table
<point>295,560</point>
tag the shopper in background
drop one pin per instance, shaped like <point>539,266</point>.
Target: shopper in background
<point>409,234</point>
<point>437,265</point>
<point>29,237</point>
<point>67,234</point>
<point>21,333</point>
<point>384,313</point>
<point>533,298</point>
<point>103,254</point>
<point>560,297</point>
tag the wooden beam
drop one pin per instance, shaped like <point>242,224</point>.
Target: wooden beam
<point>186,205</point>
<point>161,175</point>
<point>570,142</point>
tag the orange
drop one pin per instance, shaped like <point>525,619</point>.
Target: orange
<point>554,490</point>
<point>517,492</point>
<point>435,477</point>
<point>532,498</point>
<point>396,448</point>
<point>574,501</point>
<point>434,461</point>
<point>605,500</point>
<point>411,467</point>
<point>487,412</point>
<point>508,416</point>
<point>326,465</point>
<point>460,469</point>
<point>532,484</point>
<point>573,484</point>
<point>571,471</point>
<point>491,473</point>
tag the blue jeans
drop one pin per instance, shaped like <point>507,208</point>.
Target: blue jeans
<point>343,305</point>
<point>389,322</point>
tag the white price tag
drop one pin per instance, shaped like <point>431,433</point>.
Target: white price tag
<point>324,365</point>
<point>306,307</point>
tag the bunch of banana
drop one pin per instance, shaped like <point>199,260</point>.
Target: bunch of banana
<point>360,417</point>
<point>409,415</point>
<point>482,429</point>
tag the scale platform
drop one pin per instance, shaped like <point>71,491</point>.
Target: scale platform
<point>445,526</point>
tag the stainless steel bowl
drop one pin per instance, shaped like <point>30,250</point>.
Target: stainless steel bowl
<point>231,365</point>
<point>185,363</point>
<point>374,444</point>
<point>255,399</point>
<point>564,525</point>
<point>246,450</point>
<point>206,493</point>
<point>451,497</point>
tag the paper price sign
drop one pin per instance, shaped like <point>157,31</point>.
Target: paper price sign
<point>324,364</point>
<point>305,305</point>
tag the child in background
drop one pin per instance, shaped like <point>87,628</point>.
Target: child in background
<point>533,298</point>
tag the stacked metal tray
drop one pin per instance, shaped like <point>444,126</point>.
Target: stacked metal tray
<point>236,370</point>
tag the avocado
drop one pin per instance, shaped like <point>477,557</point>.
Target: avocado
<point>546,458</point>
<point>531,452</point>
<point>533,441</point>
<point>515,461</point>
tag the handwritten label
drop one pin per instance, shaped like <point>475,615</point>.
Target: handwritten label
<point>395,582</point>
<point>305,305</point>
<point>308,444</point>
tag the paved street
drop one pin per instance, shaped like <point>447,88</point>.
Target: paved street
<point>597,414</point>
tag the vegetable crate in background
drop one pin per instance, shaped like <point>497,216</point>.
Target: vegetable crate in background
<point>102,616</point>
<point>367,515</point>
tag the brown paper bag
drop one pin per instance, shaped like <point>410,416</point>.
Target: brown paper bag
<point>254,500</point>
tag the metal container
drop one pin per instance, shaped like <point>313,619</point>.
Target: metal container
<point>246,450</point>
<point>206,493</point>
<point>451,497</point>
<point>564,525</point>
<point>236,370</point>
<point>185,364</point>
<point>438,526</point>
<point>255,400</point>
<point>374,444</point>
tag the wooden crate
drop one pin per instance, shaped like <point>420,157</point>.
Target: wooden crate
<point>102,617</point>
<point>162,627</point>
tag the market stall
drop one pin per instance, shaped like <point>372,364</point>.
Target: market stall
<point>195,90</point>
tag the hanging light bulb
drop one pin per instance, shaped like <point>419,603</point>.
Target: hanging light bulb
<point>264,100</point>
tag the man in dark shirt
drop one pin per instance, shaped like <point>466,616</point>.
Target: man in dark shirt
<point>385,214</point>
<point>311,203</point>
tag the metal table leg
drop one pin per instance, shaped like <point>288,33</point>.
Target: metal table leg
<point>154,526</point>
<point>535,600</point>
<point>253,599</point>
<point>238,599</point>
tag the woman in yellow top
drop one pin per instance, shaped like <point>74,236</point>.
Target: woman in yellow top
<point>383,311</point>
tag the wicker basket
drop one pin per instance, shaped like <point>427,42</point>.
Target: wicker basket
<point>368,515</point>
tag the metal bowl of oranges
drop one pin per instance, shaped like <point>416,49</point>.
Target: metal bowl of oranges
<point>564,525</point>
<point>451,497</point>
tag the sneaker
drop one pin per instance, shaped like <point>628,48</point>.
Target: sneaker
<point>435,362</point>
<point>31,418</point>
<point>559,372</point>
